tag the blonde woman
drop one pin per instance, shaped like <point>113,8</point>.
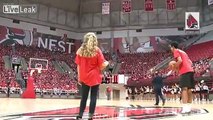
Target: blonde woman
<point>90,61</point>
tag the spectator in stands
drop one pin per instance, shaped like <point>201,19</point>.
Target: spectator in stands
<point>184,65</point>
<point>90,61</point>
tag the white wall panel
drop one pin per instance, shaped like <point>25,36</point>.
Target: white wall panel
<point>86,21</point>
<point>153,19</point>
<point>105,20</point>
<point>97,20</point>
<point>76,21</point>
<point>181,15</point>
<point>172,18</point>
<point>115,18</point>
<point>72,20</point>
<point>43,14</point>
<point>143,17</point>
<point>61,17</point>
<point>69,19</point>
<point>52,17</point>
<point>162,15</point>
<point>124,18</point>
<point>134,17</point>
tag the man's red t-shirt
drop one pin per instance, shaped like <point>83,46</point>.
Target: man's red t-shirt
<point>186,65</point>
<point>89,67</point>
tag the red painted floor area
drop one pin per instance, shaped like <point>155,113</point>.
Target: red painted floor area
<point>109,112</point>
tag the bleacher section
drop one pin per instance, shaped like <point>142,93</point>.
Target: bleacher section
<point>50,81</point>
<point>201,51</point>
<point>61,76</point>
<point>138,64</point>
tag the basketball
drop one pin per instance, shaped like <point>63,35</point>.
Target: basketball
<point>172,65</point>
<point>104,65</point>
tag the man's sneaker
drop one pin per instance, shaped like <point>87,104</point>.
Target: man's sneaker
<point>186,109</point>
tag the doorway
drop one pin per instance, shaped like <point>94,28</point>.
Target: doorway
<point>116,94</point>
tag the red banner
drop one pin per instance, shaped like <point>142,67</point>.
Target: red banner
<point>171,4</point>
<point>127,6</point>
<point>148,5</point>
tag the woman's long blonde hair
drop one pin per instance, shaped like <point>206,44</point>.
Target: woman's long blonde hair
<point>89,46</point>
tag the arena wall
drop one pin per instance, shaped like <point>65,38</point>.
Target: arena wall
<point>105,34</point>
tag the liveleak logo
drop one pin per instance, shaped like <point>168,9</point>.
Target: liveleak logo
<point>19,9</point>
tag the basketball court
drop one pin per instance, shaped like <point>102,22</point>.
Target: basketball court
<point>67,109</point>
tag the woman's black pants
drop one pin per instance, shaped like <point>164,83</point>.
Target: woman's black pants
<point>93,98</point>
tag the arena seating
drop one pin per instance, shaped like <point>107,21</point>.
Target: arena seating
<point>135,64</point>
<point>201,51</point>
<point>48,80</point>
<point>138,64</point>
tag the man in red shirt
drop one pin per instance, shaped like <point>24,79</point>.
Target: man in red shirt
<point>185,69</point>
<point>90,61</point>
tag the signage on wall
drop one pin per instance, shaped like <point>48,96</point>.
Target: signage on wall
<point>192,21</point>
<point>127,6</point>
<point>148,5</point>
<point>106,8</point>
<point>171,4</point>
<point>10,36</point>
<point>210,2</point>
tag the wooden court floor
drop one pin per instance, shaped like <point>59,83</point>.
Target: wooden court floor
<point>11,106</point>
